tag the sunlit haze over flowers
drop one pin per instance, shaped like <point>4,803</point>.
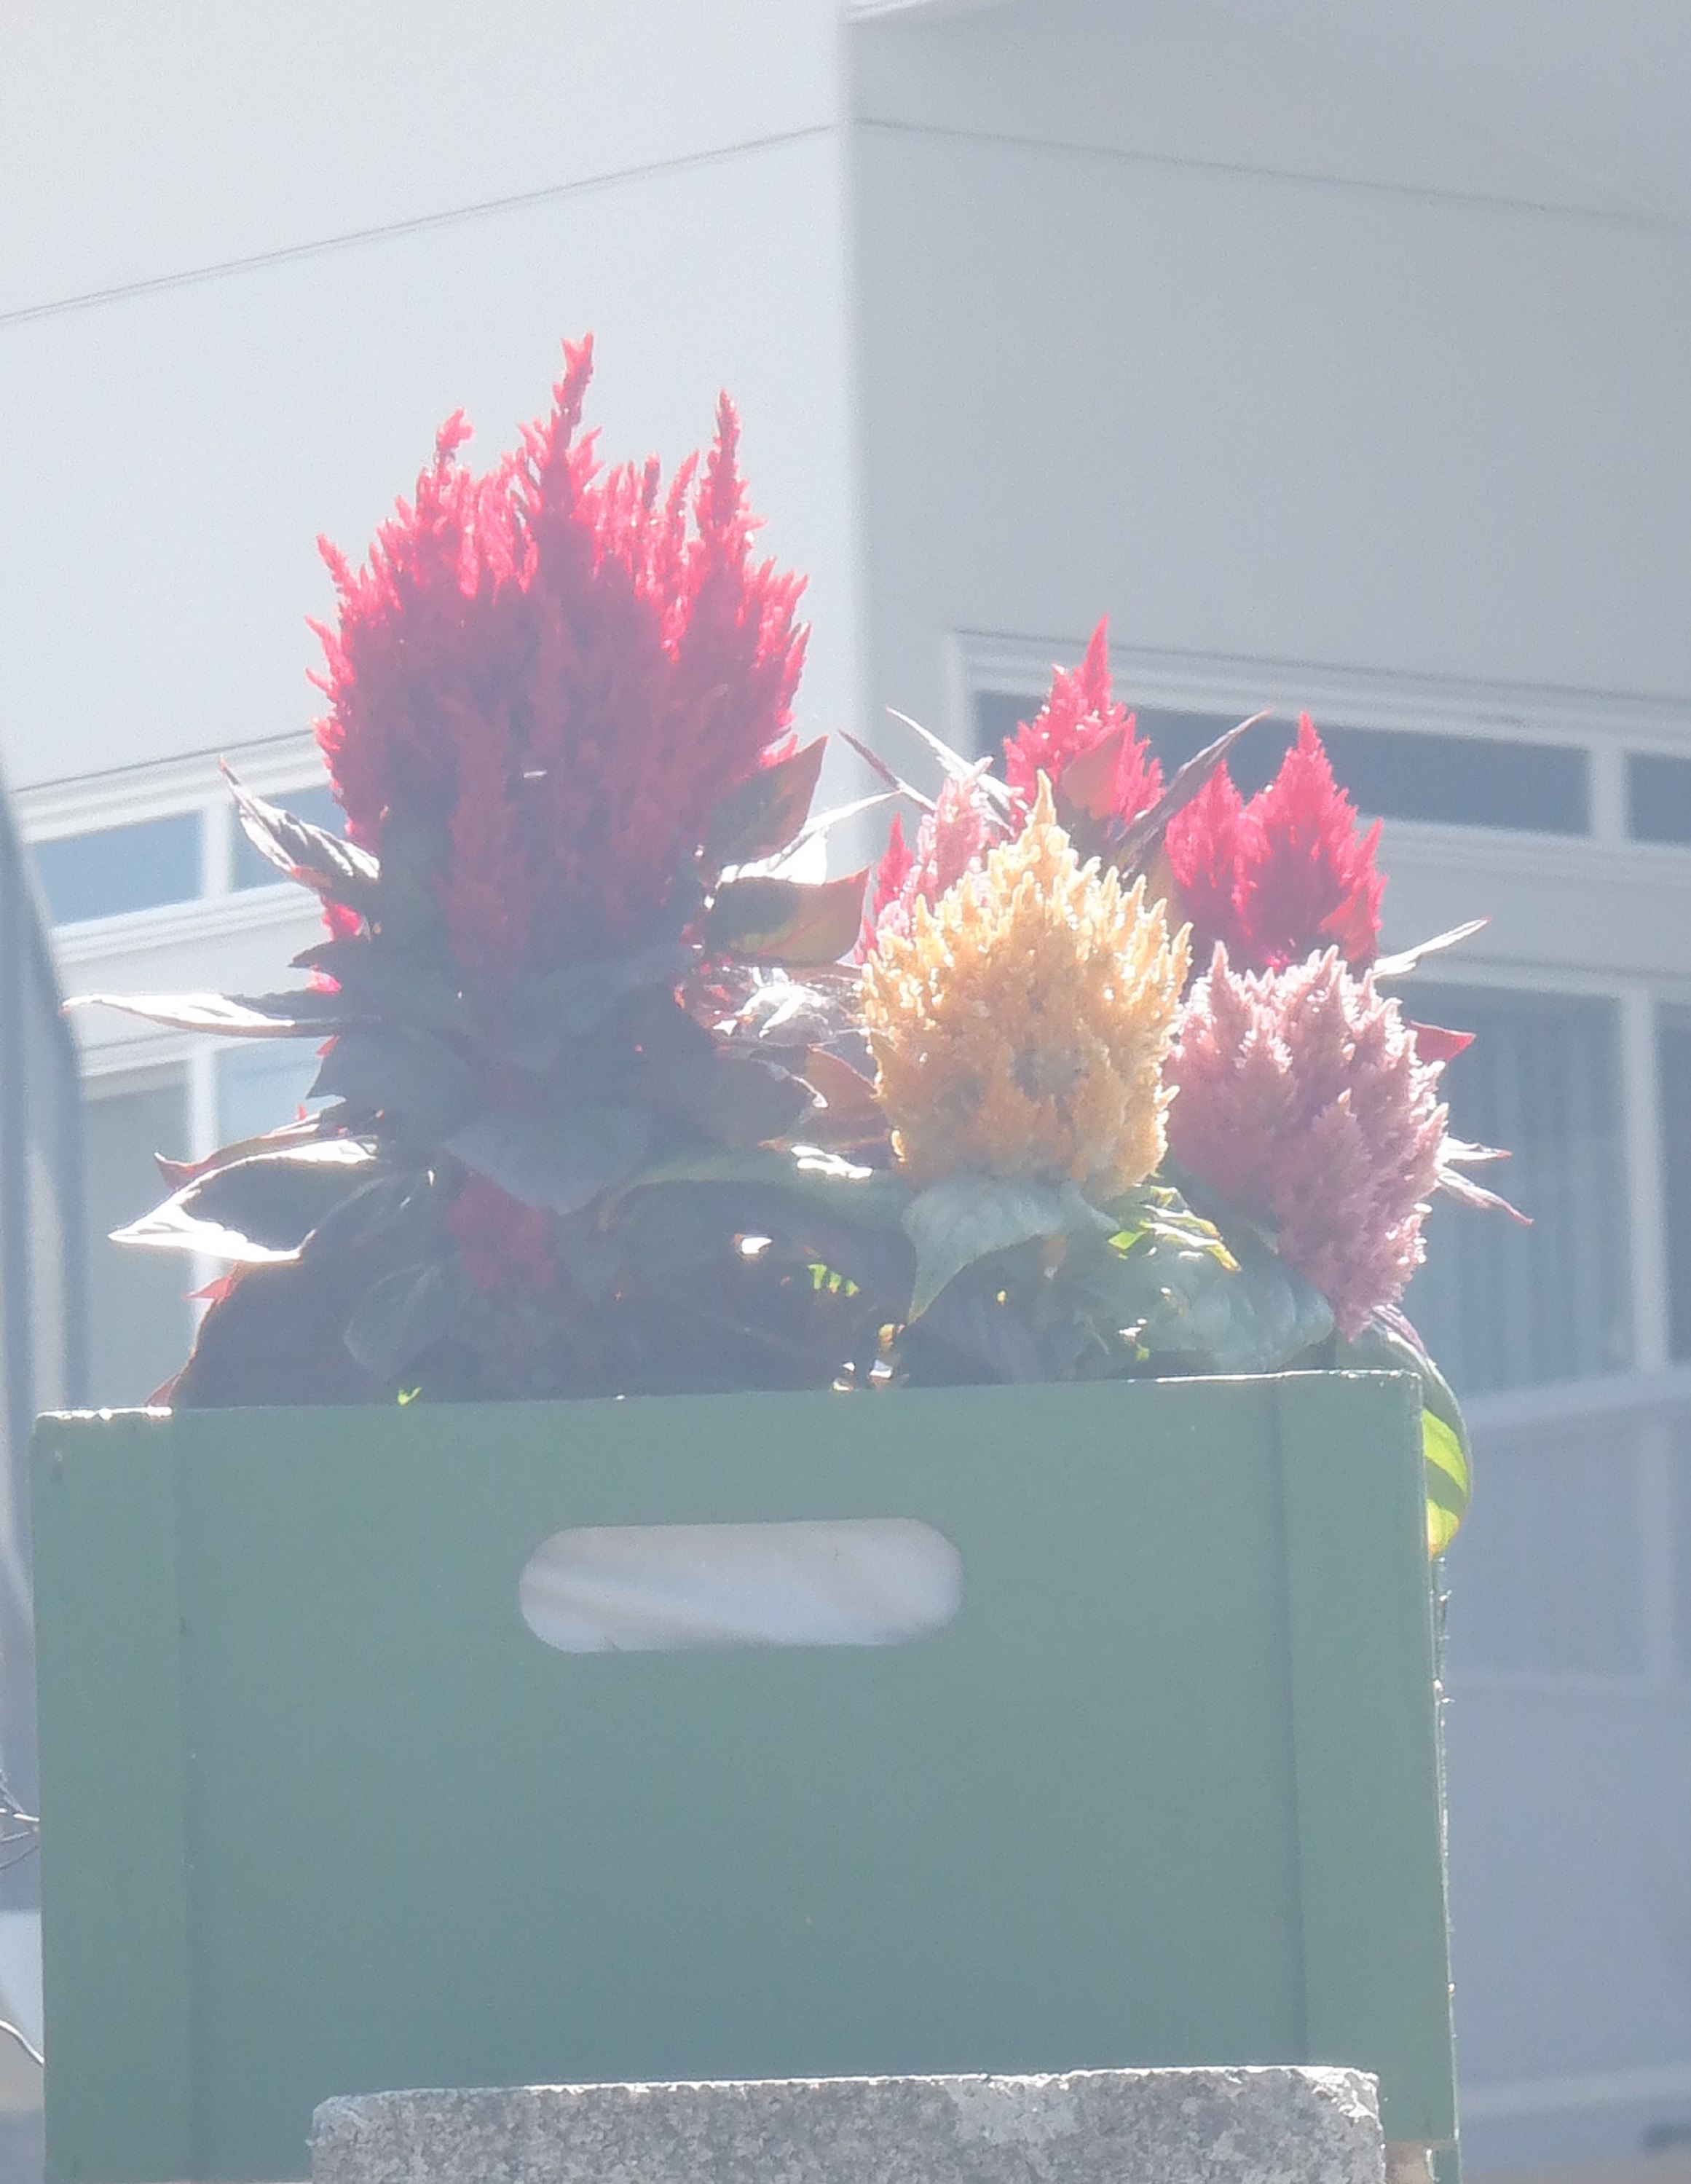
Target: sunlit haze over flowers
<point>1301,1100</point>
<point>552,673</point>
<point>1021,1025</point>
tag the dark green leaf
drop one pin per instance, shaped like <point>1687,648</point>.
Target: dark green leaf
<point>561,1161</point>
<point>407,909</point>
<point>393,1200</point>
<point>993,1337</point>
<point>257,1211</point>
<point>380,981</point>
<point>763,814</point>
<point>337,870</point>
<point>736,1100</point>
<point>773,920</point>
<point>1258,1317</point>
<point>866,1196</point>
<point>399,1316</point>
<point>240,1016</point>
<point>967,1216</point>
<point>288,1135</point>
<point>563,1004</point>
<point>413,1079</point>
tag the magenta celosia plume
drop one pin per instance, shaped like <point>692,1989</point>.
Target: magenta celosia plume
<point>1077,717</point>
<point>555,672</point>
<point>1288,873</point>
<point>1302,1101</point>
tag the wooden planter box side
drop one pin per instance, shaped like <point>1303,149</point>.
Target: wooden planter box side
<point>322,1815</point>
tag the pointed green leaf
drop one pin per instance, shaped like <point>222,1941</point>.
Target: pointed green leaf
<point>967,1216</point>
<point>399,1316</point>
<point>1444,1434</point>
<point>411,1078</point>
<point>337,869</point>
<point>561,1161</point>
<point>1447,1483</point>
<point>762,815</point>
<point>868,1197</point>
<point>378,979</point>
<point>258,1211</point>
<point>771,921</point>
<point>303,1014</point>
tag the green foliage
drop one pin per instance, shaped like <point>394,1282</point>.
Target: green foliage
<point>966,1218</point>
<point>649,1109</point>
<point>1390,1345</point>
<point>781,920</point>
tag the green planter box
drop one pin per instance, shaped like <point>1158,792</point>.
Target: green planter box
<point>322,1814</point>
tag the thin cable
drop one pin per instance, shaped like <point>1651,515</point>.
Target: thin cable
<point>422,224</point>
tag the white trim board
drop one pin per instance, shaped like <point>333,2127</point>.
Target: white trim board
<point>159,790</point>
<point>1353,697</point>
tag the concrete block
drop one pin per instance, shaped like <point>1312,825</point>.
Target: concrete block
<point>1270,2125</point>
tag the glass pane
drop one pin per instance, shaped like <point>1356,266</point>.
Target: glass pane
<point>1545,1575</point>
<point>121,868</point>
<point>1658,798</point>
<point>261,1086</point>
<point>316,804</point>
<point>140,1323</point>
<point>1390,773</point>
<point>1498,1304</point>
<point>1673,1058</point>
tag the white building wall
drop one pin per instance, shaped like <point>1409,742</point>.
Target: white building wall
<point>250,258</point>
<point>1165,317</point>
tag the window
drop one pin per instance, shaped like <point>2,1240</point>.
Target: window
<point>1658,798</point>
<point>1544,1574</point>
<point>142,866</point>
<point>262,1085</point>
<point>1501,1306</point>
<point>139,1318</point>
<point>151,864</point>
<point>1673,1063</point>
<point>1390,773</point>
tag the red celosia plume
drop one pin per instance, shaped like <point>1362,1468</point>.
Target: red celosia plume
<point>554,673</point>
<point>1079,715</point>
<point>1285,874</point>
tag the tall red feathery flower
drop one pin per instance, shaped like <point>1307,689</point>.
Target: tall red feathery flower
<point>1204,851</point>
<point>1077,716</point>
<point>1301,1099</point>
<point>1285,873</point>
<point>553,673</point>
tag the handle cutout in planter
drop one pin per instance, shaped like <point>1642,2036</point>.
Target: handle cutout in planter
<point>675,1588</point>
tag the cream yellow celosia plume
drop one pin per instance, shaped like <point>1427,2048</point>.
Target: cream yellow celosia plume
<point>1021,1026</point>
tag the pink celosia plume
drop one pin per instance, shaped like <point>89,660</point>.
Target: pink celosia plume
<point>1302,1102</point>
<point>950,841</point>
<point>554,673</point>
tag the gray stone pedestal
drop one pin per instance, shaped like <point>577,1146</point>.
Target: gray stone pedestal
<point>1216,2126</point>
